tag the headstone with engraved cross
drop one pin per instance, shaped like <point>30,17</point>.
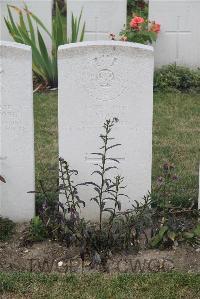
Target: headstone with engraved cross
<point>179,39</point>
<point>102,17</point>
<point>98,81</point>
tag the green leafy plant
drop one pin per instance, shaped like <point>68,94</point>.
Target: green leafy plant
<point>107,190</point>
<point>7,227</point>
<point>44,64</point>
<point>176,77</point>
<point>62,6</point>
<point>171,234</point>
<point>174,227</point>
<point>108,235</point>
<point>138,7</point>
<point>193,236</point>
<point>108,193</point>
<point>37,230</point>
<point>163,234</point>
<point>60,218</point>
<point>67,187</point>
<point>136,221</point>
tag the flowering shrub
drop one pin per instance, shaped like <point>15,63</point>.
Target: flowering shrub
<point>140,30</point>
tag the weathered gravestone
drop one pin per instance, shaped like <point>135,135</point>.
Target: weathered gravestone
<point>102,17</point>
<point>101,80</point>
<point>41,8</point>
<point>16,132</point>
<point>179,39</point>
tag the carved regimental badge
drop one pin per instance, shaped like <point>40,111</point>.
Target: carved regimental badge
<point>103,77</point>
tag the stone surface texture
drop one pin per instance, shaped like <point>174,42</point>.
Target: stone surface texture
<point>102,17</point>
<point>179,39</point>
<point>16,132</point>
<point>97,81</point>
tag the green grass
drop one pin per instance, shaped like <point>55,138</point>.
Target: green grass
<point>176,131</point>
<point>99,286</point>
<point>46,137</point>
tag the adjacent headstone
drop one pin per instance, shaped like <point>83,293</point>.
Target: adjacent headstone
<point>102,17</point>
<point>179,39</point>
<point>101,80</point>
<point>16,132</point>
<point>41,8</point>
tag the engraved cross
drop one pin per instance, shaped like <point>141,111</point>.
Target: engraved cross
<point>178,32</point>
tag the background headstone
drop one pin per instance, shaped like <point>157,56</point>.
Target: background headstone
<point>102,17</point>
<point>41,8</point>
<point>16,132</point>
<point>101,80</point>
<point>179,39</point>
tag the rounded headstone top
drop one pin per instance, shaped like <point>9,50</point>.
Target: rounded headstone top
<point>13,49</point>
<point>14,45</point>
<point>114,44</point>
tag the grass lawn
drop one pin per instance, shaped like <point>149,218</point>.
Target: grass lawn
<point>172,285</point>
<point>46,137</point>
<point>176,131</point>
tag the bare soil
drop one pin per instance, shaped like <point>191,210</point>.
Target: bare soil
<point>49,256</point>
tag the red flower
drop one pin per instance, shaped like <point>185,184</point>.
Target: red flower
<point>136,21</point>
<point>155,27</point>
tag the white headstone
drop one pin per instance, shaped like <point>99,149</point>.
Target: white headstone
<point>16,132</point>
<point>179,39</point>
<point>101,80</point>
<point>41,8</point>
<point>102,17</point>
